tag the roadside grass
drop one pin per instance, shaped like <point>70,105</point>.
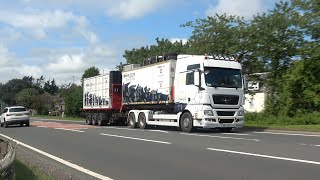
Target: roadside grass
<point>304,122</point>
<point>24,172</point>
<point>309,128</point>
<point>59,117</point>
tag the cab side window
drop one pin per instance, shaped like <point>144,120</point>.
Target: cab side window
<point>5,110</point>
<point>189,78</point>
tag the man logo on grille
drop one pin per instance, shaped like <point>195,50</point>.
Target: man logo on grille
<point>226,100</point>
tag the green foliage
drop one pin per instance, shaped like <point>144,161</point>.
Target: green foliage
<point>9,90</point>
<point>73,100</point>
<point>267,119</point>
<point>136,56</point>
<point>50,87</point>
<point>25,96</point>
<point>90,72</point>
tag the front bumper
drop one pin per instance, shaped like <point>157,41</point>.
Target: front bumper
<point>210,124</point>
<point>221,118</point>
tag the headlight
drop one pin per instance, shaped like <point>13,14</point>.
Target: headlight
<point>208,112</point>
<point>241,113</point>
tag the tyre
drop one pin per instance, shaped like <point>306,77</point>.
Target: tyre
<point>6,125</point>
<point>225,130</point>
<point>94,119</point>
<point>89,119</point>
<point>21,124</point>
<point>186,122</point>
<point>100,119</point>
<point>1,124</point>
<point>28,124</point>
<point>132,120</point>
<point>142,121</point>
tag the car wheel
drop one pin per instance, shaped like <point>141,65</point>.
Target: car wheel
<point>6,125</point>
<point>21,124</point>
<point>1,124</point>
<point>28,124</point>
<point>186,122</point>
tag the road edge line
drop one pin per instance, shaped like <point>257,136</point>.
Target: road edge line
<point>74,166</point>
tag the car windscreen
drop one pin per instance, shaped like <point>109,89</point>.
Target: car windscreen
<point>17,109</point>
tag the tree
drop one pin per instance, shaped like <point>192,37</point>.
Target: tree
<point>136,56</point>
<point>73,100</point>
<point>11,88</point>
<point>51,87</point>
<point>90,72</point>
<point>25,96</point>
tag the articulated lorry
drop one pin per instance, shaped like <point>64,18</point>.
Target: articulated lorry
<point>184,91</point>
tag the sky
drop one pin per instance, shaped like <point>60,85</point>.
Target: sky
<point>60,39</point>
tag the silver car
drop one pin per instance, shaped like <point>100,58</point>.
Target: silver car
<point>14,115</point>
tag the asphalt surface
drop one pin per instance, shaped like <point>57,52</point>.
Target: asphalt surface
<point>164,153</point>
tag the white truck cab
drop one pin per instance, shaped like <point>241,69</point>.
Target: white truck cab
<point>211,89</point>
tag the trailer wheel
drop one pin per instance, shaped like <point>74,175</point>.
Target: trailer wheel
<point>132,120</point>
<point>94,119</point>
<point>89,119</point>
<point>186,122</point>
<point>142,121</point>
<point>100,119</point>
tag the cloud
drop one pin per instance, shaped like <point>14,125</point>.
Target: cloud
<point>37,23</point>
<point>129,9</point>
<point>68,63</point>
<point>7,58</point>
<point>243,8</point>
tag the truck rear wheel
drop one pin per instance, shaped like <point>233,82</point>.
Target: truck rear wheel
<point>142,121</point>
<point>132,120</point>
<point>186,122</point>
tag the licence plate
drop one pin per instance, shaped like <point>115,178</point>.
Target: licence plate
<point>18,114</point>
<point>226,125</point>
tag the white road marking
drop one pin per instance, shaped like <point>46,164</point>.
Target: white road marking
<point>222,137</point>
<point>79,168</point>
<point>317,145</point>
<point>74,130</point>
<point>122,128</point>
<point>140,139</point>
<point>158,131</point>
<point>266,156</point>
<point>43,126</point>
<point>289,134</point>
<point>238,134</point>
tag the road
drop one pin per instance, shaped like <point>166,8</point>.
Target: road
<point>123,153</point>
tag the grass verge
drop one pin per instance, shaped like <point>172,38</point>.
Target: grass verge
<point>24,172</point>
<point>309,128</point>
<point>59,117</point>
<point>302,122</point>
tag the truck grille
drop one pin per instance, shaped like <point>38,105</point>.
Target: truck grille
<point>225,99</point>
<point>225,113</point>
<point>226,120</point>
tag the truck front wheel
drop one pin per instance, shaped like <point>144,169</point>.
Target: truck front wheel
<point>132,120</point>
<point>186,122</point>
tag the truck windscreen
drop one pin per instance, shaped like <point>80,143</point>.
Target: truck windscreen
<point>222,77</point>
